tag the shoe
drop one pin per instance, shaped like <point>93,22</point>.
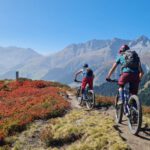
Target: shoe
<point>84,97</point>
<point>127,114</point>
<point>119,102</point>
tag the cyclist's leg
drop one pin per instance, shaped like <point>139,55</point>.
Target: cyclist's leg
<point>121,94</point>
<point>134,84</point>
<point>90,82</point>
<point>124,78</point>
<point>84,83</point>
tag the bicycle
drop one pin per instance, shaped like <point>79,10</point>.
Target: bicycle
<point>132,106</point>
<point>90,96</point>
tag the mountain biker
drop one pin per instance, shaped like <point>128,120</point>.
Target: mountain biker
<point>128,75</point>
<point>88,76</point>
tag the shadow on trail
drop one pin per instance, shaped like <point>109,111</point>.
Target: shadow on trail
<point>145,133</point>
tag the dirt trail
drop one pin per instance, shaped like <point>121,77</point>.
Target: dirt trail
<point>73,101</point>
<point>140,142</point>
<point>30,139</point>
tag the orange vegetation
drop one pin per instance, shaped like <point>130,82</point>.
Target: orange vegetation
<point>23,102</point>
<point>103,100</point>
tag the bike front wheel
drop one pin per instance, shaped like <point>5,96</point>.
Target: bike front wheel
<point>90,102</point>
<point>118,110</point>
<point>79,96</point>
<point>135,118</point>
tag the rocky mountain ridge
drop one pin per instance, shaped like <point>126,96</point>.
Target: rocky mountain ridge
<point>61,66</point>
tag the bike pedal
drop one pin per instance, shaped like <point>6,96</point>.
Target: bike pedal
<point>119,102</point>
<point>127,114</point>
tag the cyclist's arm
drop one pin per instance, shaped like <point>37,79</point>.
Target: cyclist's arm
<point>112,70</point>
<point>141,72</point>
<point>93,76</point>
<point>79,72</point>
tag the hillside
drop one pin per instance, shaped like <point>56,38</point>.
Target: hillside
<point>22,102</point>
<point>43,115</point>
<point>106,89</point>
<point>61,66</point>
<point>145,80</point>
<point>144,93</point>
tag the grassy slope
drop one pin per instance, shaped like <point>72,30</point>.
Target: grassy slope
<point>93,129</point>
<point>80,129</point>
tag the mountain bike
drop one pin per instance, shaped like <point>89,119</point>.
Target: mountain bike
<point>90,96</point>
<point>132,106</point>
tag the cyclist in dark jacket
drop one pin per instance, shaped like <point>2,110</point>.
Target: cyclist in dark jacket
<point>88,77</point>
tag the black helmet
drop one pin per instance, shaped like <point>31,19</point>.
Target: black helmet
<point>85,65</point>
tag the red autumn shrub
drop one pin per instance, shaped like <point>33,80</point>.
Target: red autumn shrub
<point>1,84</point>
<point>103,100</point>
<point>14,85</point>
<point>41,84</point>
<point>26,101</point>
<point>146,110</point>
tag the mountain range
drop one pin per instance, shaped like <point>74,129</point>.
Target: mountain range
<point>61,66</point>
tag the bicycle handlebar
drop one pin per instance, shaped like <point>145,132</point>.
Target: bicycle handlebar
<point>112,80</point>
<point>108,80</point>
<point>77,81</point>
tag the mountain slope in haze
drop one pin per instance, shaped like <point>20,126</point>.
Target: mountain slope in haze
<point>99,54</point>
<point>13,56</point>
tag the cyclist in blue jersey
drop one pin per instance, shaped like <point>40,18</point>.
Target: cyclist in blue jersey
<point>131,75</point>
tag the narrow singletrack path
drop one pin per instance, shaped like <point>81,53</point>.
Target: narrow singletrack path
<point>140,142</point>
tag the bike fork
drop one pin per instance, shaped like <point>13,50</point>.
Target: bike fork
<point>126,108</point>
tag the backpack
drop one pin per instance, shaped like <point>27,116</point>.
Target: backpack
<point>132,59</point>
<point>89,72</point>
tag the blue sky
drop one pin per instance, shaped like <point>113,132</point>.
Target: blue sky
<point>50,25</point>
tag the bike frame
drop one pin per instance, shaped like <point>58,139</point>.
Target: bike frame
<point>126,98</point>
<point>126,95</point>
<point>90,100</point>
<point>134,112</point>
<point>86,89</point>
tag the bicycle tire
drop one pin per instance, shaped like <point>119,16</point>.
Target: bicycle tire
<point>79,96</point>
<point>118,110</point>
<point>135,125</point>
<point>90,103</point>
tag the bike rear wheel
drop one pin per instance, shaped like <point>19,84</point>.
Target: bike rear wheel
<point>90,102</point>
<point>135,118</point>
<point>79,96</point>
<point>118,110</point>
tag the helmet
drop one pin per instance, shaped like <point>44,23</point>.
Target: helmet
<point>85,65</point>
<point>124,48</point>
